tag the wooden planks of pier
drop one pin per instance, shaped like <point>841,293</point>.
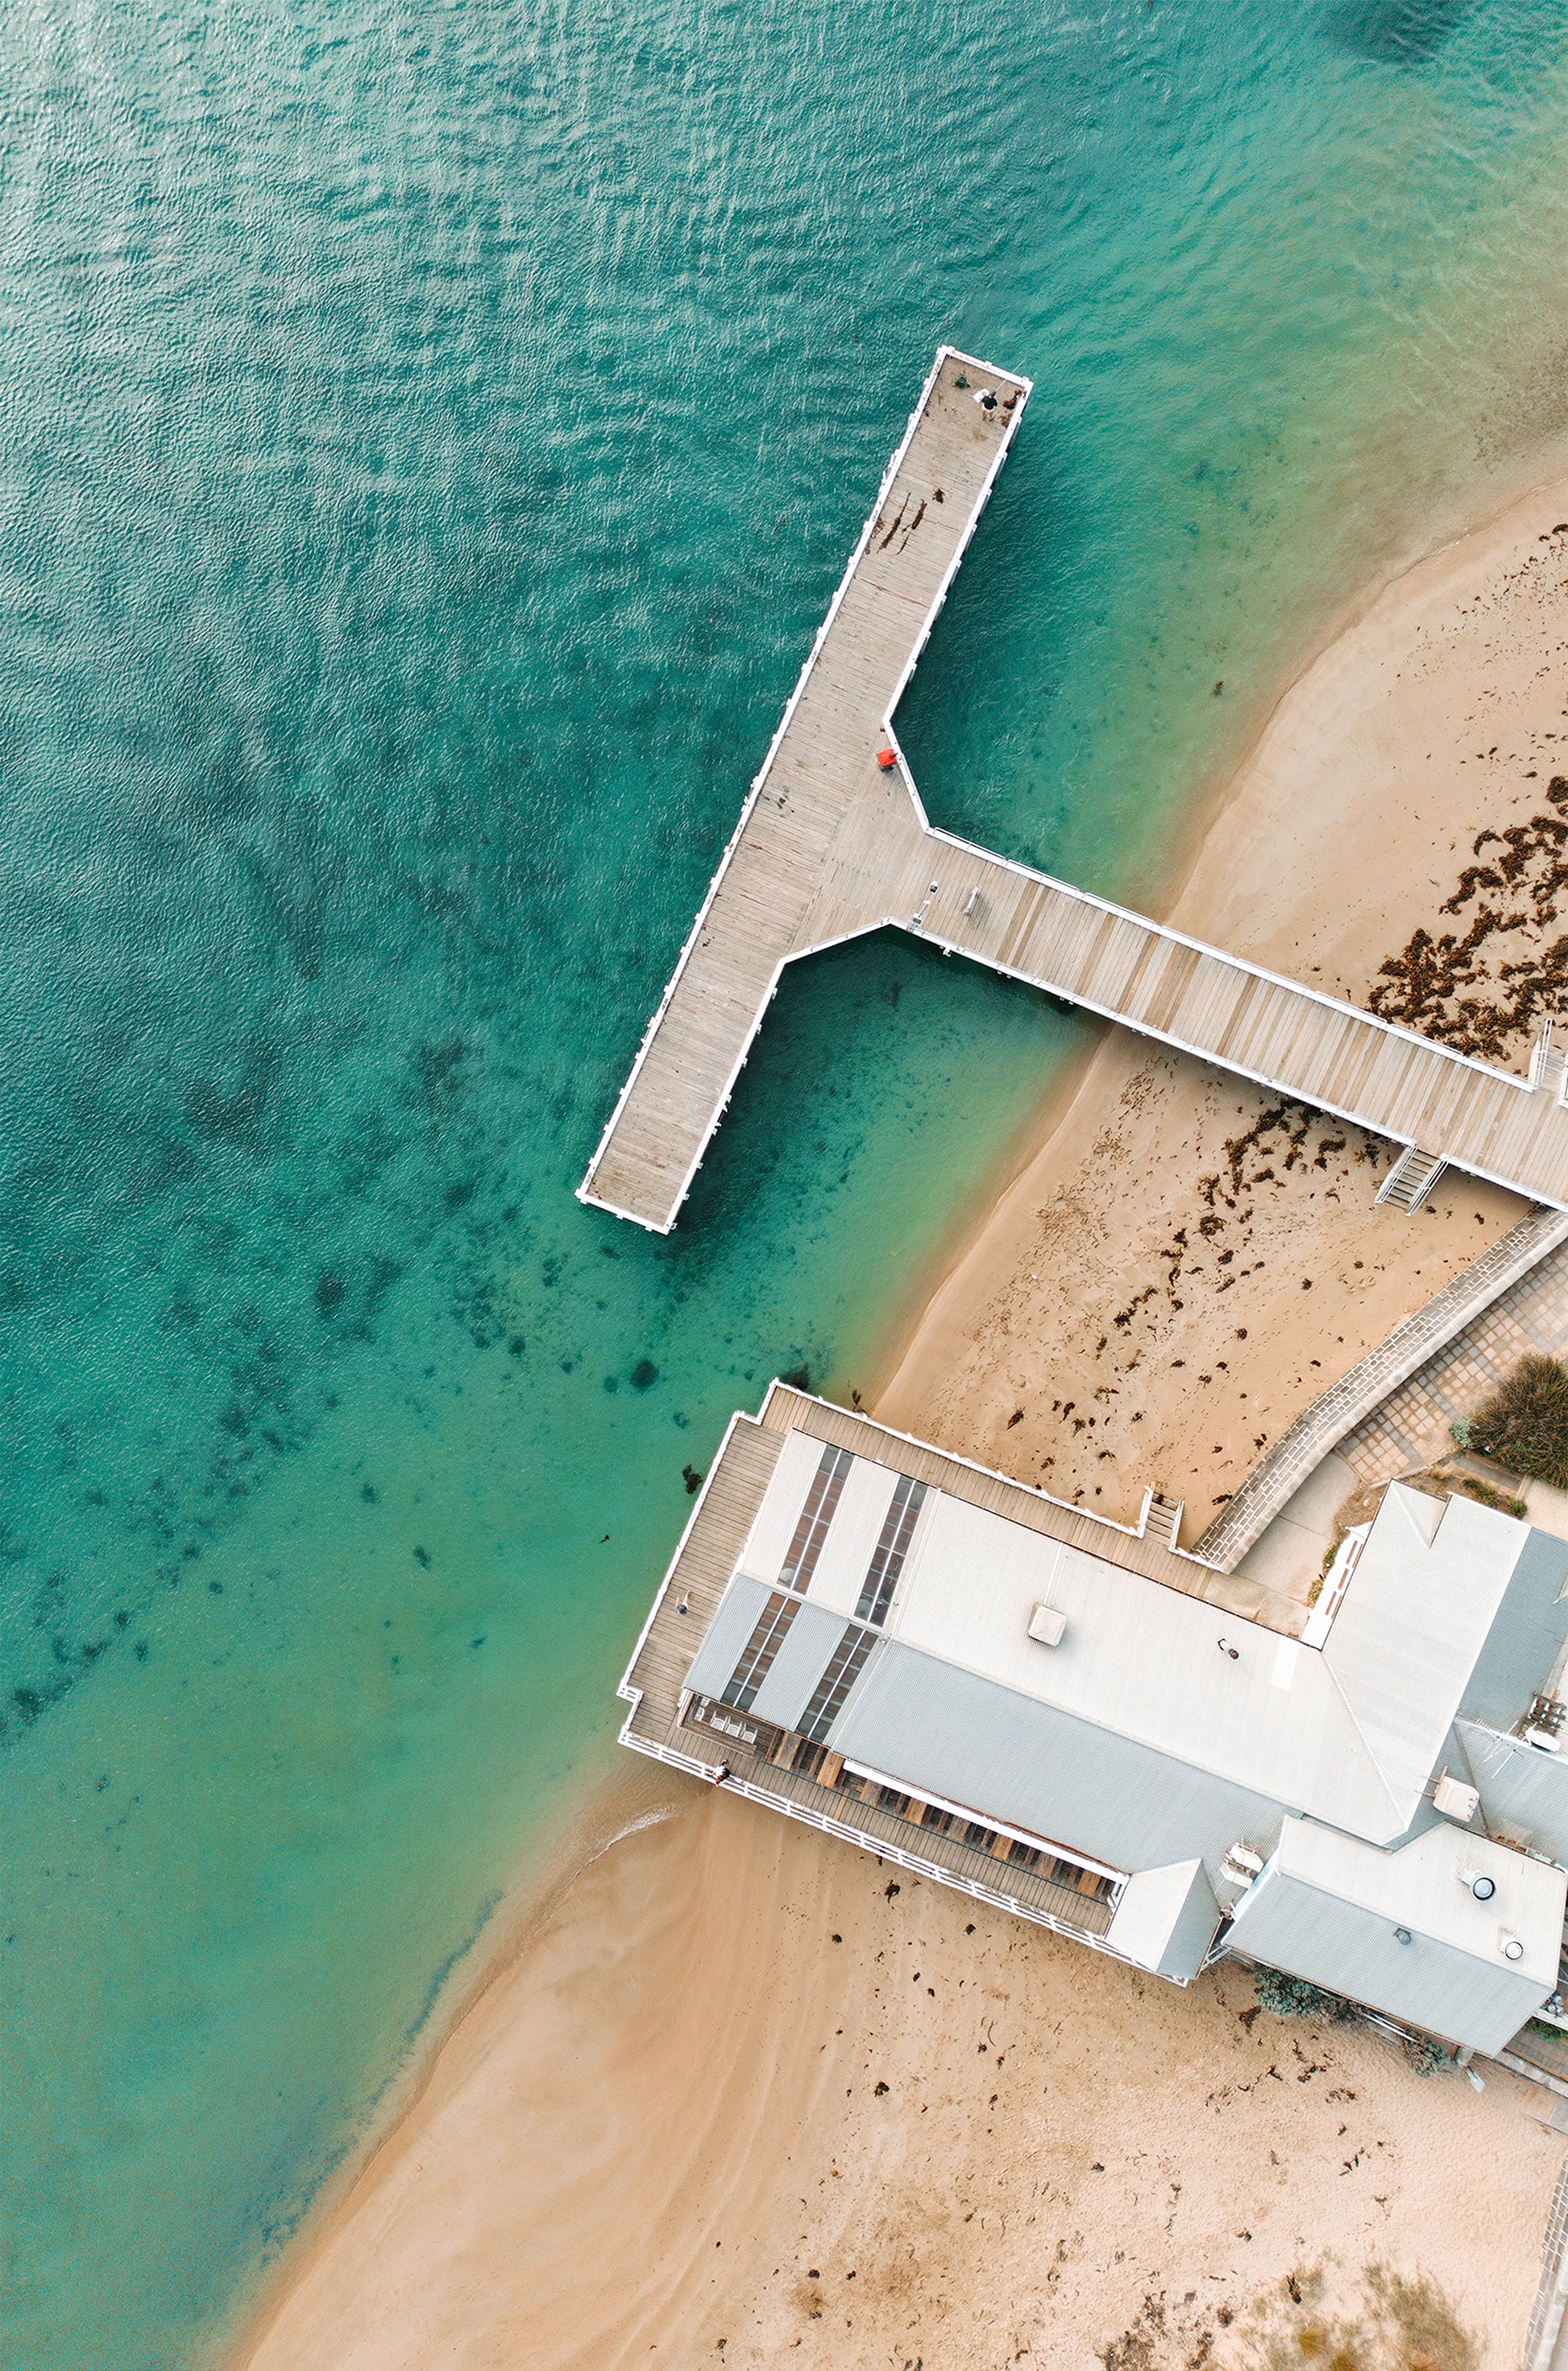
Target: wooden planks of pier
<point>830,846</point>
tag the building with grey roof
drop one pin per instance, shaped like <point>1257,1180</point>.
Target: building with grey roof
<point>972,1681</point>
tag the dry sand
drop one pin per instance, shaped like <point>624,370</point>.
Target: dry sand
<point>743,2099</point>
<point>1134,1311</point>
<point>738,2104</point>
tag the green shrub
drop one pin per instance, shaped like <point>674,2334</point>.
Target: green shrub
<point>1483,1492</point>
<point>1285,1995</point>
<point>1524,1425</point>
<point>1425,2056</point>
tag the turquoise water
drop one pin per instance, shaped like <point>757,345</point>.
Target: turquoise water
<point>431,442</point>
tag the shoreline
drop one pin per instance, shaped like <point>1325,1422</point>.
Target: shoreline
<point>1175,896</point>
<point>638,2078</point>
<point>1124,1208</point>
<point>608,1807</point>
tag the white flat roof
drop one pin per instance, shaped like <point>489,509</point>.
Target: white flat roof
<point>1349,1733</point>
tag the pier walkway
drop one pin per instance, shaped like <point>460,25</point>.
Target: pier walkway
<point>831,846</point>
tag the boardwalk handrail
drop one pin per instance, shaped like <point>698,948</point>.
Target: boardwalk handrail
<point>945,353</point>
<point>843,861</point>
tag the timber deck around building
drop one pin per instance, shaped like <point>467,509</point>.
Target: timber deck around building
<point>655,1680</point>
<point>717,1533</point>
<point>829,846</point>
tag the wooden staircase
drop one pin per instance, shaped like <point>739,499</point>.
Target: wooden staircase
<point>1162,1518</point>
<point>1412,1178</point>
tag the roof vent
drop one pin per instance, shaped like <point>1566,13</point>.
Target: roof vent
<point>1454,1798</point>
<point>1482,1887</point>
<point>1509,1944</point>
<point>1048,1626</point>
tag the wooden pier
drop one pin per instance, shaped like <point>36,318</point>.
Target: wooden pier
<point>831,845</point>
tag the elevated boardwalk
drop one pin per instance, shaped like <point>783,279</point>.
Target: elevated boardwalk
<point>829,847</point>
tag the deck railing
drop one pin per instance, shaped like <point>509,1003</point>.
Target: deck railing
<point>926,1851</point>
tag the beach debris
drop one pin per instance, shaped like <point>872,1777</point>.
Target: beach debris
<point>1430,985</point>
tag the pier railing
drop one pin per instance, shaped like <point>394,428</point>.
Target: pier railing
<point>833,842</point>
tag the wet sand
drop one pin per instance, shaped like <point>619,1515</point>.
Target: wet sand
<point>739,2103</point>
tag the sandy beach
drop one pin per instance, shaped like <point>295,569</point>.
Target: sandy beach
<point>747,2099</point>
<point>1135,1310</point>
<point>743,2097</point>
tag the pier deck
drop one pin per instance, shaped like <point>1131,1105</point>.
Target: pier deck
<point>829,847</point>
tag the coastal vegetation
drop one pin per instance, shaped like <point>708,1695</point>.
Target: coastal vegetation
<point>1285,1995</point>
<point>1485,1496</point>
<point>1524,1425</point>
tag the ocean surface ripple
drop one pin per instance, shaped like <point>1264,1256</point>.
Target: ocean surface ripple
<point>431,441</point>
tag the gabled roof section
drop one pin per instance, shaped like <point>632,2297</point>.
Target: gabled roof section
<point>1415,1619</point>
<point>1403,1930</point>
<point>1166,1919</point>
<point>1164,1671</point>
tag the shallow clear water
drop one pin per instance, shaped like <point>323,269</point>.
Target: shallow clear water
<point>431,441</point>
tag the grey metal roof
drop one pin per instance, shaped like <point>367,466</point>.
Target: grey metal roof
<point>947,1715</point>
<point>1332,1910</point>
<point>797,1667</point>
<point>1521,1647</point>
<point>727,1634</point>
<point>1524,1793</point>
<point>951,1733</point>
<point>1194,1932</point>
<point>1166,1919</point>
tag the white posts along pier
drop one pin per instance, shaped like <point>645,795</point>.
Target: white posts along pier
<point>833,842</point>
